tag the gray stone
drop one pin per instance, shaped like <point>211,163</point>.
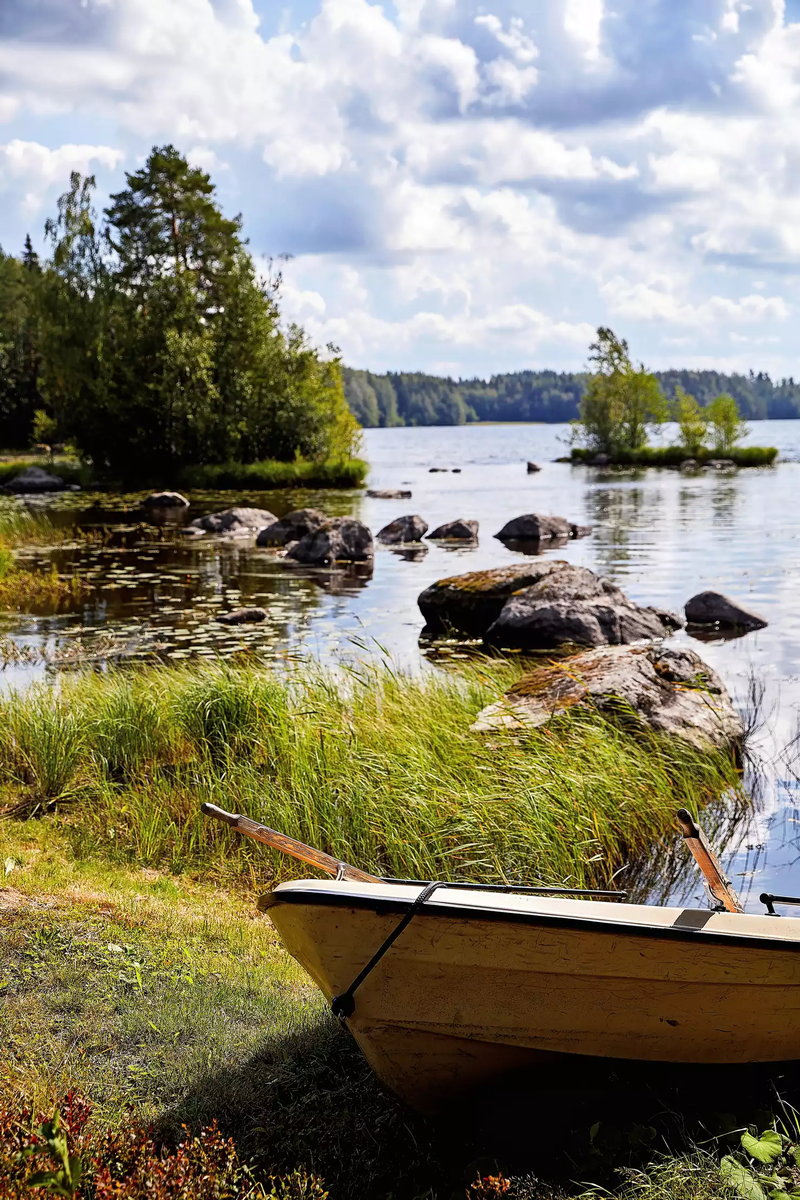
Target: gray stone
<point>579,531</point>
<point>291,528</point>
<point>720,464</point>
<point>243,616</point>
<point>534,527</point>
<point>572,605</point>
<point>713,608</point>
<point>403,529</point>
<point>34,481</point>
<point>342,539</point>
<point>601,460</point>
<point>460,530</point>
<point>538,606</point>
<point>388,494</point>
<point>533,468</point>
<point>165,500</point>
<point>689,464</point>
<point>235,522</point>
<point>671,691</point>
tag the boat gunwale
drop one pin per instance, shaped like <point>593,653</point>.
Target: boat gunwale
<point>432,908</point>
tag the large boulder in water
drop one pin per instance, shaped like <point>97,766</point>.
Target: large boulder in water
<point>342,539</point>
<point>671,691</point>
<point>292,527</point>
<point>236,522</point>
<point>540,606</point>
<point>34,481</point>
<point>712,608</point>
<point>403,529</point>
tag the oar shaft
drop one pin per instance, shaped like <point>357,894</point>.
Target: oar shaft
<point>718,883</point>
<point>287,845</point>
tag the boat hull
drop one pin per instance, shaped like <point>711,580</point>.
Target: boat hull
<point>468,993</point>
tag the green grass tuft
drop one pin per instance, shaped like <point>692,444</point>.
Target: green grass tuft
<point>380,770</point>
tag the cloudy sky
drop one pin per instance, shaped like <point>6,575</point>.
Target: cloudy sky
<point>464,187</point>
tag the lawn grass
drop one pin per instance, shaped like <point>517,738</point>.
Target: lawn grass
<point>673,456</point>
<point>169,1000</point>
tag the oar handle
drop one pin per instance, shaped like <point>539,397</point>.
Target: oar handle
<point>718,883</point>
<point>287,845</point>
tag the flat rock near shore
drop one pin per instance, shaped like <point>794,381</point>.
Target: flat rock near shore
<point>671,691</point>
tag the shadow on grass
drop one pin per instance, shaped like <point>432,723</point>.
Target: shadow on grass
<point>310,1099</point>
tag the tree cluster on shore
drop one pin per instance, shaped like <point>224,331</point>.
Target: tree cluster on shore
<point>548,396</point>
<point>149,340</point>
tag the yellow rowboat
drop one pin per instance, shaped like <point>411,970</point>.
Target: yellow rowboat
<point>447,986</point>
<point>482,981</point>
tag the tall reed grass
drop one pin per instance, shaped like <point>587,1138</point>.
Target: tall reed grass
<point>377,768</point>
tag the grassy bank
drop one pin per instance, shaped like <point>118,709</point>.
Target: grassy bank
<point>258,476</point>
<point>22,588</point>
<point>343,473</point>
<point>381,770</point>
<point>673,456</point>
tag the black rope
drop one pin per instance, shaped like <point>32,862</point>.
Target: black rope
<point>344,1005</point>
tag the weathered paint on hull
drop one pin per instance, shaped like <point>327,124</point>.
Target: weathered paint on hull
<point>463,997</point>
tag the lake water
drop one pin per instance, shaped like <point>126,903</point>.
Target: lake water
<point>661,535</point>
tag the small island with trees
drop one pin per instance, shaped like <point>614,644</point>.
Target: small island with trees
<point>623,404</point>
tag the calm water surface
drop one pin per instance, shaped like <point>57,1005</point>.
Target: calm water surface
<point>661,535</point>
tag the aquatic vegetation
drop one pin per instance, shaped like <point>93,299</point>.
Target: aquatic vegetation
<point>377,768</point>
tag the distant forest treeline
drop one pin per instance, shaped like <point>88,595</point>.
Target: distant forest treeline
<point>416,399</point>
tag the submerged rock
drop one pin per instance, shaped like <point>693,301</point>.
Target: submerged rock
<point>540,606</point>
<point>713,608</point>
<point>460,530</point>
<point>165,500</point>
<point>403,529</point>
<point>237,522</point>
<point>671,691</point>
<point>34,481</point>
<point>388,494</point>
<point>342,539</point>
<point>533,468</point>
<point>291,528</point>
<point>243,616</point>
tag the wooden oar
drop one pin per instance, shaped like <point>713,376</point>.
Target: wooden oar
<point>287,845</point>
<point>718,883</point>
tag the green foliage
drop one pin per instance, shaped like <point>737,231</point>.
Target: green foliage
<point>157,345</point>
<point>771,1169</point>
<point>20,352</point>
<point>44,428</point>
<point>64,1179</point>
<point>692,422</point>
<point>621,403</point>
<point>726,423</point>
